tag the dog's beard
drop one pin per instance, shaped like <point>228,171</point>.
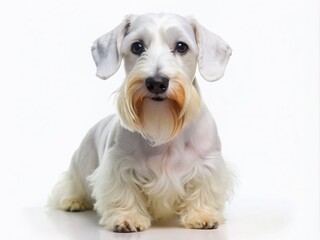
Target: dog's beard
<point>158,121</point>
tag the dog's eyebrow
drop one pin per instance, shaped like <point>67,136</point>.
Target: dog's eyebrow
<point>175,34</point>
<point>138,34</point>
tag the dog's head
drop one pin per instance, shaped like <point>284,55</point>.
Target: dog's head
<point>161,52</point>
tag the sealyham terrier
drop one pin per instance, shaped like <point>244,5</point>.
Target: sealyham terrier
<point>160,155</point>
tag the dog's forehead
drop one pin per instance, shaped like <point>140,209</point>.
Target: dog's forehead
<point>160,23</point>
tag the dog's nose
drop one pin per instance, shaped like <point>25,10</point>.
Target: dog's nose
<point>157,84</point>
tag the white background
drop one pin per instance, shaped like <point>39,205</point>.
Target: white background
<point>266,106</point>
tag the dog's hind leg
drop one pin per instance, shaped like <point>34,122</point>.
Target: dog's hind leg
<point>72,191</point>
<point>69,194</point>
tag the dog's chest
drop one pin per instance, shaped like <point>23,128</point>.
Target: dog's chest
<point>165,175</point>
<point>172,160</point>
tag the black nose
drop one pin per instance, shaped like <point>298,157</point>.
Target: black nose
<point>157,84</point>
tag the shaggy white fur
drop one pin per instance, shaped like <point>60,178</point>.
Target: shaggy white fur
<point>161,154</point>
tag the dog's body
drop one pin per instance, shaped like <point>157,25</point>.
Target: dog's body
<point>161,155</point>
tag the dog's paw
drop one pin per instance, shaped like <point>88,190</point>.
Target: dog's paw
<point>75,205</point>
<point>201,220</point>
<point>126,223</point>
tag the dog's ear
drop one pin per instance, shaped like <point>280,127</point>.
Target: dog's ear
<point>106,50</point>
<point>214,53</point>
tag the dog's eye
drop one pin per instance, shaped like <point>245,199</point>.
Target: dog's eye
<point>181,47</point>
<point>137,48</point>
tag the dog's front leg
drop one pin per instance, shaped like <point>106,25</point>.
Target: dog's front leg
<point>119,201</point>
<point>206,196</point>
<point>198,212</point>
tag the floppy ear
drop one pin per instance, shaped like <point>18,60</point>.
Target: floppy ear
<point>214,53</point>
<point>106,50</point>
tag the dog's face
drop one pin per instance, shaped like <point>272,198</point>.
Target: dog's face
<point>161,52</point>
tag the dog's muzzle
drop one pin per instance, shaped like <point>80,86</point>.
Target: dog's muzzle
<point>157,84</point>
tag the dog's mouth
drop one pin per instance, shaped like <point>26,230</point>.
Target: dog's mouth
<point>158,98</point>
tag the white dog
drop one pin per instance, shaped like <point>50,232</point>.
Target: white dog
<point>161,154</point>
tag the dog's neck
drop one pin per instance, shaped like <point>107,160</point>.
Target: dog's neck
<point>151,142</point>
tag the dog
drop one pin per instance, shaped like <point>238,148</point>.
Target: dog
<point>160,155</point>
